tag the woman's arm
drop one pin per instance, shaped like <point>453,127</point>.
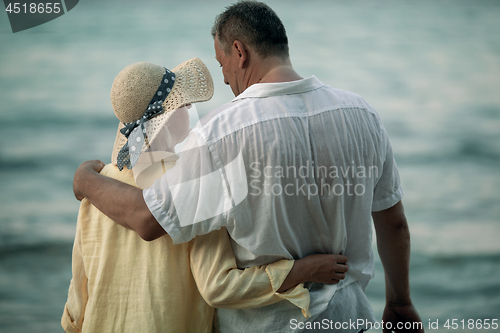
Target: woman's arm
<point>223,285</point>
<point>74,309</point>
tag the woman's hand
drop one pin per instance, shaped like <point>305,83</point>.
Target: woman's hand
<point>324,268</point>
<point>319,268</point>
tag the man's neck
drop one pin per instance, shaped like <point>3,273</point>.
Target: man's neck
<point>281,74</point>
<point>272,70</point>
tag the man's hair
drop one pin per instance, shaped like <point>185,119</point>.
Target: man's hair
<point>254,23</point>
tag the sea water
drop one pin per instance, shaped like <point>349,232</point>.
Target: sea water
<point>430,68</point>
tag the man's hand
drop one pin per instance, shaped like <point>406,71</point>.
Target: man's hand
<point>403,315</point>
<point>79,178</point>
<point>319,268</point>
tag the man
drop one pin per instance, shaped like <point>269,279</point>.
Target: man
<point>317,165</point>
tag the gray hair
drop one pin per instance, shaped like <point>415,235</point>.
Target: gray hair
<point>253,23</point>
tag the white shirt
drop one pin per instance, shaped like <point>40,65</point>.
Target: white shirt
<point>290,169</point>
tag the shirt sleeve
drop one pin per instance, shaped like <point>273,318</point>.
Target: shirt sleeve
<point>198,194</point>
<point>74,309</point>
<point>388,190</point>
<point>223,285</point>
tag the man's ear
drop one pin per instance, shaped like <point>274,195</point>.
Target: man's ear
<point>240,50</point>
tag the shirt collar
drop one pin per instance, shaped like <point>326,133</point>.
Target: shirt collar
<point>260,90</point>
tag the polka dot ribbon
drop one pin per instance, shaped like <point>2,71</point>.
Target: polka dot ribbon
<point>135,131</point>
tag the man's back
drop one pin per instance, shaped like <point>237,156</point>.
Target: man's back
<point>317,162</point>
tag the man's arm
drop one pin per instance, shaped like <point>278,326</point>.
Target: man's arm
<point>125,205</point>
<point>121,202</point>
<point>393,242</point>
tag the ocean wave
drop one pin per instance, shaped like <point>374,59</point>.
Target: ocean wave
<point>461,239</point>
<point>33,163</point>
<point>49,248</point>
<point>478,150</point>
<point>44,120</point>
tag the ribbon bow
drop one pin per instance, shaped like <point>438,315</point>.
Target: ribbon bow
<point>135,131</point>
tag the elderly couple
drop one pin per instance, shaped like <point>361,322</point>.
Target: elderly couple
<point>249,217</point>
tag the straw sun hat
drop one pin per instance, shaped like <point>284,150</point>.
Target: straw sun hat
<point>138,85</point>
